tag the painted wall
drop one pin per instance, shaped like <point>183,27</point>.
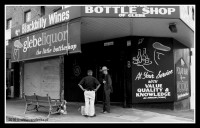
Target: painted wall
<point>152,70</point>
<point>42,77</point>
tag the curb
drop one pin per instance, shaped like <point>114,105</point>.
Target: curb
<point>168,115</point>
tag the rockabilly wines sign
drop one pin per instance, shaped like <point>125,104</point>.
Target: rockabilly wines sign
<point>48,42</point>
<point>63,15</point>
<point>152,70</point>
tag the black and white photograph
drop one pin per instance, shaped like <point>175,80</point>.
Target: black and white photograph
<point>105,64</point>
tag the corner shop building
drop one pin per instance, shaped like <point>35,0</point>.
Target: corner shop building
<point>148,63</point>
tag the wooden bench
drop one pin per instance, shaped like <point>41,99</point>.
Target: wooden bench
<point>31,101</point>
<point>53,105</point>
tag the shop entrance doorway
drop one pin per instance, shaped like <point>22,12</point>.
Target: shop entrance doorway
<point>116,73</point>
<point>75,68</point>
<point>114,55</point>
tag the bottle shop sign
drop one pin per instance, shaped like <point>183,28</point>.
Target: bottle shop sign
<point>152,70</point>
<point>132,11</point>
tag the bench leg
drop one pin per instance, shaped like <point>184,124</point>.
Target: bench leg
<point>49,112</point>
<point>26,107</point>
<point>36,107</point>
<point>49,115</point>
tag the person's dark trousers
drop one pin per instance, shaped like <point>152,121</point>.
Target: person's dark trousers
<point>106,100</point>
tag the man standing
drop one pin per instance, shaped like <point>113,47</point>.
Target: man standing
<point>107,81</point>
<point>89,83</point>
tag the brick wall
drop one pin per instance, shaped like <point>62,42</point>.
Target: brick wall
<point>17,13</point>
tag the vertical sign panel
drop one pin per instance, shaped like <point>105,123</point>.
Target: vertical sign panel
<point>182,80</point>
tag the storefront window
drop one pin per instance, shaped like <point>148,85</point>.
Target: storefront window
<point>9,23</point>
<point>42,11</point>
<point>27,16</point>
<point>193,13</point>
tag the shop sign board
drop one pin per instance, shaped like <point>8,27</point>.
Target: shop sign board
<point>48,42</point>
<point>48,20</point>
<point>182,80</point>
<point>131,11</point>
<point>72,12</point>
<point>152,69</point>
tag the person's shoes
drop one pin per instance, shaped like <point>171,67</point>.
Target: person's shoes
<point>105,112</point>
<point>93,115</point>
<point>86,115</point>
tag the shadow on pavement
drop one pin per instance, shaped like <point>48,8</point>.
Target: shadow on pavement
<point>118,113</point>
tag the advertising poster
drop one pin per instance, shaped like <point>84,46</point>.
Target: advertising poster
<point>153,74</point>
<point>182,80</point>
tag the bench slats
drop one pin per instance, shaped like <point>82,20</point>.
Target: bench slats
<point>42,98</point>
<point>31,98</point>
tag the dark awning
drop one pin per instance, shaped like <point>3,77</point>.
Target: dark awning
<point>97,29</point>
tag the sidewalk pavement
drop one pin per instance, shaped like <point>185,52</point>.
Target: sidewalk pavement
<point>15,114</point>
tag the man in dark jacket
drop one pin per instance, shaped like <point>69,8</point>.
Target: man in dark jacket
<point>89,85</point>
<point>107,81</point>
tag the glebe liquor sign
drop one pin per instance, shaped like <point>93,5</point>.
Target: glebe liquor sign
<point>47,43</point>
<point>51,41</point>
